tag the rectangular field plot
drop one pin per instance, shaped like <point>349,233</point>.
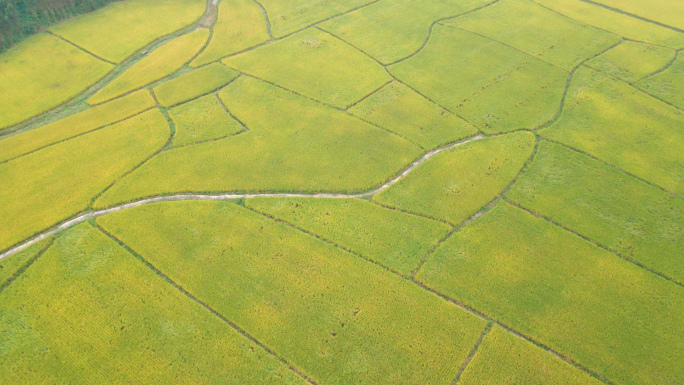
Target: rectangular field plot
<point>116,31</point>
<point>334,316</point>
<point>314,64</point>
<point>401,110</point>
<point>288,16</point>
<point>543,34</point>
<point>607,314</point>
<point>504,358</point>
<point>194,84</point>
<point>57,182</point>
<point>493,86</point>
<point>391,30</point>
<point>202,120</point>
<point>293,144</point>
<point>638,221</point>
<point>455,184</point>
<point>241,24</point>
<point>41,73</point>
<point>87,311</point>
<point>617,23</point>
<point>618,124</point>
<point>669,84</point>
<point>160,63</point>
<point>631,61</point>
<point>394,239</point>
<point>76,124</point>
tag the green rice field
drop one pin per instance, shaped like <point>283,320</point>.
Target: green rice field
<point>338,192</point>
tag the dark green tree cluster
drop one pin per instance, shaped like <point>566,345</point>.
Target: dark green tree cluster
<point>22,18</point>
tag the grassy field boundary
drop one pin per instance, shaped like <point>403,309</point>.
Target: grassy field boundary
<point>633,15</point>
<point>204,305</point>
<point>674,59</point>
<point>266,17</point>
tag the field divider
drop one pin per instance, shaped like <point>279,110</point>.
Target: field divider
<point>266,17</point>
<point>616,10</point>
<point>491,321</point>
<point>79,47</point>
<point>472,353</point>
<point>203,304</point>
<point>84,216</point>
<point>674,59</point>
<point>584,237</point>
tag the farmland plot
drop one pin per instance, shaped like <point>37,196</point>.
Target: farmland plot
<point>132,326</point>
<point>493,86</point>
<point>11,266</point>
<point>161,62</point>
<point>668,84</point>
<point>617,319</point>
<point>336,317</point>
<point>75,125</point>
<point>241,24</point>
<point>618,124</point>
<point>632,61</point>
<point>57,182</point>
<point>628,216</point>
<point>392,238</point>
<point>455,184</point>
<point>191,85</point>
<point>30,87</point>
<point>661,11</point>
<point>544,34</point>
<point>314,64</point>
<point>293,144</point>
<point>118,30</point>
<point>401,110</point>
<point>391,30</point>
<point>202,120</point>
<point>504,358</point>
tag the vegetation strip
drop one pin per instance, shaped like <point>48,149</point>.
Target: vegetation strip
<point>634,16</point>
<point>472,353</point>
<point>83,217</point>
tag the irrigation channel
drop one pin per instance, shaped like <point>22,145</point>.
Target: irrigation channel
<point>217,197</point>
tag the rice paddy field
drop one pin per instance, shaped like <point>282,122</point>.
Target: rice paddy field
<point>345,192</point>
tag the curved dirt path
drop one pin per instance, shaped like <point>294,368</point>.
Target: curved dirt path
<point>217,197</point>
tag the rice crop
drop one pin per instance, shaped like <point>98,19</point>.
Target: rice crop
<point>133,327</point>
<point>202,120</point>
<point>30,87</point>
<point>626,215</point>
<point>619,124</point>
<point>160,63</point>
<point>121,28</point>
<point>632,61</point>
<point>293,144</point>
<point>191,85</point>
<point>455,184</point>
<point>618,320</point>
<point>668,84</point>
<point>241,24</point>
<point>336,317</point>
<point>493,86</point>
<point>288,16</point>
<point>77,124</point>
<point>57,182</point>
<point>392,238</point>
<point>401,110</point>
<point>314,64</point>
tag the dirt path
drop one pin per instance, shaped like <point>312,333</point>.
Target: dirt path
<point>218,197</point>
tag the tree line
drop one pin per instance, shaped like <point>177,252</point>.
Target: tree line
<point>22,18</point>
